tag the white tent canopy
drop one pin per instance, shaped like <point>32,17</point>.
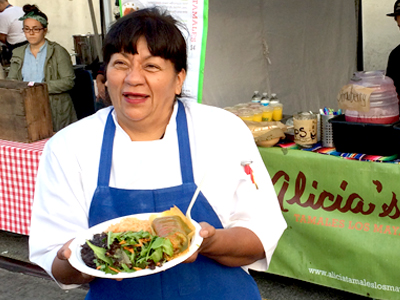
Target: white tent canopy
<point>312,48</point>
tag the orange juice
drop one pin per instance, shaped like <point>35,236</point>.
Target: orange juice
<point>267,114</point>
<point>257,115</point>
<point>277,112</point>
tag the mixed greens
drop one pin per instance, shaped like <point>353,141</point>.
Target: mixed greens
<point>126,251</point>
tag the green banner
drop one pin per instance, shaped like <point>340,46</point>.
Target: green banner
<point>343,221</point>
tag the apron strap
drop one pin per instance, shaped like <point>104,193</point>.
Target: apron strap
<point>106,152</point>
<point>184,145</point>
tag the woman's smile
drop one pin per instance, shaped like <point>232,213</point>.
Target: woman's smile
<point>142,88</point>
<point>135,98</point>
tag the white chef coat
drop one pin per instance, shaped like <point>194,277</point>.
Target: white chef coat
<point>11,25</point>
<point>219,141</point>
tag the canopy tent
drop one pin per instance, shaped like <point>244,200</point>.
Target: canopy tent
<point>304,51</point>
<point>311,45</point>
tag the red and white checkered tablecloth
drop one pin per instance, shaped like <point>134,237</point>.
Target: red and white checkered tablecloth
<point>18,168</point>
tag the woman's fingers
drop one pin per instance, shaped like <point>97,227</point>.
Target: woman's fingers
<point>64,253</point>
<point>206,232</point>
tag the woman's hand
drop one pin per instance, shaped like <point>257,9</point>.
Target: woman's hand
<point>234,247</point>
<point>62,270</point>
<point>207,231</point>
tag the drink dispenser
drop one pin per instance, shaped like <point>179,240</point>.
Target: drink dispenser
<point>384,107</point>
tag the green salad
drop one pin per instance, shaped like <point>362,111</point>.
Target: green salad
<point>126,251</point>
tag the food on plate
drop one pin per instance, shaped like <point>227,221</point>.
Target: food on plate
<point>174,229</point>
<point>132,244</point>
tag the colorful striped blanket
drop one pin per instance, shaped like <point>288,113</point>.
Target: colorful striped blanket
<point>317,148</point>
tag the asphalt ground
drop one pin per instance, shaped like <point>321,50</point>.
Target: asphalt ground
<point>22,280</point>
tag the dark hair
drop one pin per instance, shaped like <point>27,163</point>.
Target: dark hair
<point>27,8</point>
<point>158,27</point>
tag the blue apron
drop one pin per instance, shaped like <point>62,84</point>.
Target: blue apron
<point>202,279</point>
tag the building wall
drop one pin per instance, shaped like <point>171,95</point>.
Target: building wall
<point>380,33</point>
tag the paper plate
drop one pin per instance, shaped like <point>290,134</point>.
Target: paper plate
<point>76,245</point>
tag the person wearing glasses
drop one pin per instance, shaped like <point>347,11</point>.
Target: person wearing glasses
<point>45,61</point>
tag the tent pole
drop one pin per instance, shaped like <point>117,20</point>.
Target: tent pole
<point>108,14</point>
<point>96,32</point>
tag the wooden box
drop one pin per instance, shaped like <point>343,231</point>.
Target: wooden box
<point>25,114</point>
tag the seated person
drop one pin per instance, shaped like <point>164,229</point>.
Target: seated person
<point>44,61</point>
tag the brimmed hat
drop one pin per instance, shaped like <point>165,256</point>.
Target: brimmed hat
<point>396,10</point>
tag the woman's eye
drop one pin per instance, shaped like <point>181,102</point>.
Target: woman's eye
<point>120,64</point>
<point>152,67</point>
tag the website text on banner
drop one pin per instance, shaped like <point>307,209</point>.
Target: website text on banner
<point>194,14</point>
<point>343,221</point>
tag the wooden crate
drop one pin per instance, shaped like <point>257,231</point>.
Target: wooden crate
<point>25,114</point>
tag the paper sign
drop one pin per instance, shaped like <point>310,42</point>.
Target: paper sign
<point>355,97</point>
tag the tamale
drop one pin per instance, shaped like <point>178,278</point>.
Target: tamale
<point>172,228</point>
<point>175,226</point>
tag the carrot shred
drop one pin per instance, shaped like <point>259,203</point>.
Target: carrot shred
<point>122,242</point>
<point>98,268</point>
<point>115,270</point>
<point>137,269</point>
<point>129,249</point>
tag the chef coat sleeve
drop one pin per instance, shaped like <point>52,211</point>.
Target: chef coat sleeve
<point>255,205</point>
<point>58,211</point>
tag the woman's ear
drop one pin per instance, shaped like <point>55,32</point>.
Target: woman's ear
<point>180,79</point>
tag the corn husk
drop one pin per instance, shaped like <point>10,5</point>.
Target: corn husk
<point>266,131</point>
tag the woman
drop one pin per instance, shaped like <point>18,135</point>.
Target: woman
<point>144,154</point>
<point>44,61</point>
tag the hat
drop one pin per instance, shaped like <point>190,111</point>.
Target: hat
<point>396,10</point>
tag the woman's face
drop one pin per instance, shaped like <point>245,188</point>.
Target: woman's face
<point>34,38</point>
<point>142,87</point>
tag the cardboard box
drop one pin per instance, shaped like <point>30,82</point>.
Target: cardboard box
<point>25,114</point>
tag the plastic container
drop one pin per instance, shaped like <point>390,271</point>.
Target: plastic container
<point>256,98</point>
<point>257,115</point>
<point>384,104</point>
<point>365,138</point>
<point>245,114</point>
<point>265,97</point>
<point>277,111</point>
<point>267,113</point>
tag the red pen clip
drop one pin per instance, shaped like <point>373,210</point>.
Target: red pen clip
<point>249,171</point>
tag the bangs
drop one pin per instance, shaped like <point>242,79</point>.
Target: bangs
<point>164,39</point>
